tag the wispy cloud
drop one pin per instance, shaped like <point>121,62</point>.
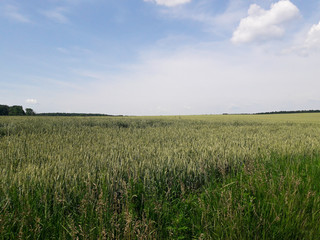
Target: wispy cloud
<point>13,12</point>
<point>57,14</point>
<point>74,51</point>
<point>261,24</point>
<point>230,17</point>
<point>63,50</point>
<point>169,3</point>
<point>219,22</point>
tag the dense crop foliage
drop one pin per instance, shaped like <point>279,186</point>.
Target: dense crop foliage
<point>204,177</point>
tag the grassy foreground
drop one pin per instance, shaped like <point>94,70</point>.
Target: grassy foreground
<point>201,177</point>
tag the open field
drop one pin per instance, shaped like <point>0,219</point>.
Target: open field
<point>181,177</point>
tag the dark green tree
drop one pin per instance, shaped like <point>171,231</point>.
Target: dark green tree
<point>16,111</point>
<point>30,112</point>
<point>4,110</point>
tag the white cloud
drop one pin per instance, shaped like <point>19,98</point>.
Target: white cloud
<point>31,101</point>
<point>307,42</point>
<point>57,15</point>
<point>313,37</point>
<point>262,24</point>
<point>13,13</point>
<point>169,3</point>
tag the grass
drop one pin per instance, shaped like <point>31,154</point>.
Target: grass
<point>180,177</point>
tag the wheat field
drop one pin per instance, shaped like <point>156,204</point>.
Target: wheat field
<point>177,177</point>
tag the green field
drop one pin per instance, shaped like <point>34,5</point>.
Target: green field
<point>181,177</point>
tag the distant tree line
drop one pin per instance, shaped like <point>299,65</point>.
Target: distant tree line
<point>73,114</point>
<point>15,111</point>
<point>286,112</point>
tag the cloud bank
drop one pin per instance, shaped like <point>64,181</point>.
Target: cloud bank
<point>202,80</point>
<point>261,25</point>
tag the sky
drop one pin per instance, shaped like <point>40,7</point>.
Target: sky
<point>160,57</point>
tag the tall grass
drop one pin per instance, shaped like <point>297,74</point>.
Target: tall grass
<point>210,177</point>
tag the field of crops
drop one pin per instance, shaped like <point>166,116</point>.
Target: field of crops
<point>183,177</point>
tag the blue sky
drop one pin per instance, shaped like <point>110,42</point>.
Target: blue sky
<point>159,57</point>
